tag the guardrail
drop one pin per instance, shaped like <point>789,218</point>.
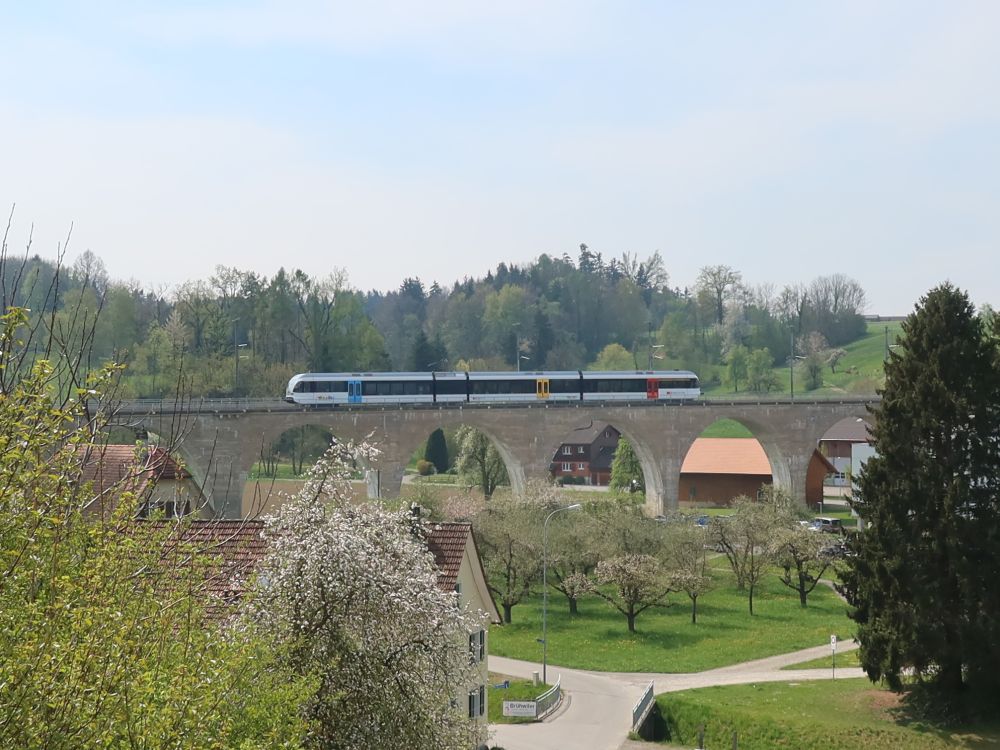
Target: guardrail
<point>236,405</point>
<point>641,709</point>
<point>549,700</point>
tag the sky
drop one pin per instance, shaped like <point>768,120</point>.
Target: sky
<point>787,140</point>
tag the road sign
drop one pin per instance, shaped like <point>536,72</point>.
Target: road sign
<point>833,643</point>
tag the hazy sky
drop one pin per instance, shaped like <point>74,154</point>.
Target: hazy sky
<point>788,140</point>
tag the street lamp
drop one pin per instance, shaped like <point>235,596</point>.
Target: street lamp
<point>545,587</point>
<point>519,358</point>
<point>653,356</point>
<point>792,356</point>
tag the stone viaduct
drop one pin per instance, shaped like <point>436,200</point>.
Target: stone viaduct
<point>221,440</point>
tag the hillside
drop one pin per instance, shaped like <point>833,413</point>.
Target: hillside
<point>859,373</point>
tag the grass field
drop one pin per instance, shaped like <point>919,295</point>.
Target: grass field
<point>666,641</point>
<point>820,715</point>
<point>859,373</point>
<point>519,690</point>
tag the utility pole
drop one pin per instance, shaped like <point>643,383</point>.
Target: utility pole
<point>791,364</point>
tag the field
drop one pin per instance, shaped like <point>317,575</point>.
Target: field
<point>820,715</point>
<point>597,638</point>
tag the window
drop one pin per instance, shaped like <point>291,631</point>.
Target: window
<point>581,466</point>
<point>477,701</point>
<point>567,450</point>
<point>567,466</point>
<point>579,449</point>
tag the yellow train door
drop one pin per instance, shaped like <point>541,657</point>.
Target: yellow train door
<point>542,388</point>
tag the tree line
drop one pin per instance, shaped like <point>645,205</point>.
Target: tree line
<point>243,333</point>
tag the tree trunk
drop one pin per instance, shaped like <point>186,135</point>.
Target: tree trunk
<point>631,622</point>
<point>751,600</point>
<point>694,610</point>
<point>802,596</point>
<point>506,612</point>
<point>572,605</point>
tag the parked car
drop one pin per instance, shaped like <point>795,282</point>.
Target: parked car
<point>828,524</point>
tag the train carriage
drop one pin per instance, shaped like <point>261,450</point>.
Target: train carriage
<point>490,387</point>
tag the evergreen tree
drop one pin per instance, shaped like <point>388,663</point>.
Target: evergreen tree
<point>626,471</point>
<point>422,354</point>
<point>437,451</point>
<point>923,580</point>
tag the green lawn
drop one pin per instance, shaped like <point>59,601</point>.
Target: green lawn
<point>819,715</point>
<point>666,641</point>
<point>519,690</point>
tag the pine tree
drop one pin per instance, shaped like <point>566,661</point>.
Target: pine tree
<point>437,451</point>
<point>923,580</point>
<point>422,354</point>
<point>626,471</point>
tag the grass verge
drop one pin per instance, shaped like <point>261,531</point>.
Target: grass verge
<point>518,690</point>
<point>820,715</point>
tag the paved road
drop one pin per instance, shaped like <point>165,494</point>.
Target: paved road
<point>597,709</point>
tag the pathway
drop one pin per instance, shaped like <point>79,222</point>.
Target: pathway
<point>596,712</point>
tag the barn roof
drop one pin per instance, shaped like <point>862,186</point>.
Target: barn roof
<point>743,456</point>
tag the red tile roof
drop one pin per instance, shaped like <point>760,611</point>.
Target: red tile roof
<point>126,467</point>
<point>447,542</point>
<point>726,456</point>
<point>231,550</point>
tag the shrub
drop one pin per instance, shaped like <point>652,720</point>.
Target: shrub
<point>424,467</point>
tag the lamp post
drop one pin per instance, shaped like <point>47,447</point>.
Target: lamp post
<point>791,364</point>
<point>545,587</point>
<point>653,356</point>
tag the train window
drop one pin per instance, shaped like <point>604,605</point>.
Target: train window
<point>397,388</point>
<point>449,387</point>
<point>564,386</point>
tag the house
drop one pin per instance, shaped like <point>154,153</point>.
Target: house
<point>236,547</point>
<point>837,445</point>
<point>587,457</point>
<point>717,470</point>
<point>148,471</point>
<point>460,569</point>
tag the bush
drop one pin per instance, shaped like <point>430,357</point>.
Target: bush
<point>424,467</point>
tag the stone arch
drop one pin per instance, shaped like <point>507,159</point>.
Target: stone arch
<point>728,482</point>
<point>395,459</point>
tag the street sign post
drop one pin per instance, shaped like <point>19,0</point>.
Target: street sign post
<point>833,649</point>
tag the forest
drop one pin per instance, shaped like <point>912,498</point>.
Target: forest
<point>240,333</point>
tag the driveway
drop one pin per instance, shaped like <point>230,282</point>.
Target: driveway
<point>597,708</point>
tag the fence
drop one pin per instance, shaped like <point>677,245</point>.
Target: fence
<point>548,700</point>
<point>641,709</point>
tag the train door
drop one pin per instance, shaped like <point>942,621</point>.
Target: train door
<point>542,388</point>
<point>652,388</point>
<point>354,391</point>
